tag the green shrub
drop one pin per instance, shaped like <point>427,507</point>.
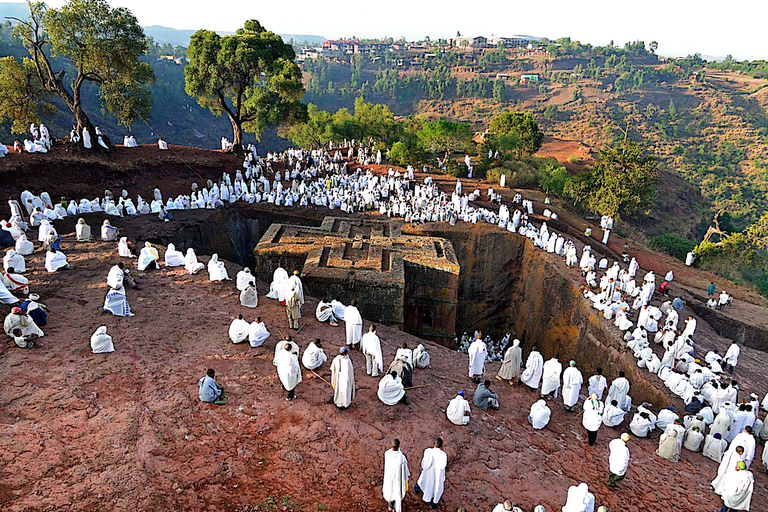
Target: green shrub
<point>672,244</point>
<point>552,177</point>
<point>400,154</point>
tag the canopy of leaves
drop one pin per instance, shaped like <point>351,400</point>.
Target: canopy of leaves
<point>522,125</point>
<point>250,76</point>
<point>102,44</point>
<point>623,180</point>
<point>18,102</point>
<point>443,136</point>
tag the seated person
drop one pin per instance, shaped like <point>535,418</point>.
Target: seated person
<point>23,340</point>
<point>485,398</point>
<point>209,391</point>
<point>458,410</point>
<point>539,415</point>
<point>324,313</point>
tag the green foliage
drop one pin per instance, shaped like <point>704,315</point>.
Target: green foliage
<point>522,125</point>
<point>443,136</point>
<point>101,45</point>
<point>18,95</point>
<point>400,154</point>
<point>623,180</point>
<point>249,76</point>
<point>672,244</point>
<point>552,177</point>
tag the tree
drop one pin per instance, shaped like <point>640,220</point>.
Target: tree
<point>250,76</point>
<point>100,45</point>
<point>623,180</point>
<point>443,136</point>
<point>521,124</point>
<point>18,94</point>
<point>499,91</point>
<point>653,46</point>
<point>315,132</point>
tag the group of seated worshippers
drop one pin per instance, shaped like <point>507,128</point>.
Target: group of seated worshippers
<point>330,311</point>
<point>246,284</point>
<point>129,141</point>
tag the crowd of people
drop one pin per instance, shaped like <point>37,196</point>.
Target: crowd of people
<point>326,178</point>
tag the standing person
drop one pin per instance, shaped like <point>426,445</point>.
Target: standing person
<point>592,418</point>
<point>354,322</point>
<point>618,462</point>
<point>343,379</point>
<point>288,370</point>
<point>551,372</point>
<point>396,476</point>
<point>293,308</point>
<point>432,476</point>
<point>731,358</point>
<point>737,489</point>
<point>572,381</point>
<point>619,390</point>
<point>371,346</point>
<point>510,368</point>
<point>597,384</point>
<point>533,368</point>
<point>477,353</point>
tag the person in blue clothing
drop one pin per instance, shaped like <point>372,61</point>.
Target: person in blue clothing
<point>36,310</point>
<point>209,390</point>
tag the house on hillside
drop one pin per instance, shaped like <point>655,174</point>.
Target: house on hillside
<point>475,43</point>
<point>529,78</point>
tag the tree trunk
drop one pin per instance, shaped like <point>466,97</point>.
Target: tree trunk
<point>83,122</point>
<point>237,135</point>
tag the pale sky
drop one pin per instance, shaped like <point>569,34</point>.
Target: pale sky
<point>680,27</point>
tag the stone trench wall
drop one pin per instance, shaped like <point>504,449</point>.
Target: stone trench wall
<point>507,285</point>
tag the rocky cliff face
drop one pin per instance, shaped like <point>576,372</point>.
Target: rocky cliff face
<point>508,285</point>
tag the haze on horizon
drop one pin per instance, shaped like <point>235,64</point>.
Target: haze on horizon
<point>680,27</point>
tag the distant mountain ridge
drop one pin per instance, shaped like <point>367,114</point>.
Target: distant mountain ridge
<point>174,36</point>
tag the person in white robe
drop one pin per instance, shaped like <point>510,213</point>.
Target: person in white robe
<point>391,390</point>
<point>354,325</point>
<point>458,410</point>
<point>477,353</point>
<point>618,460</point>
<point>396,475</point>
<point>244,278</point>
<point>55,260</point>
<point>572,381</point>
<point>289,371</point>
<point>173,258</point>
<point>550,382</point>
<point>641,424</point>
<point>14,260</point>
<point>731,358</point>
<point>669,445</point>
<point>108,232</point>
<point>693,439</point>
<point>24,246</point>
<point>737,489</point>
<point>510,367</point>
<point>343,379</point>
<point>101,342</point>
<point>191,265</point>
<point>619,390</point>
<point>148,258</point>
<point>249,297</point>
<point>714,447</point>
<point>124,248</point>
<point>116,302</point>
<point>613,415</point>
<point>432,479</point>
<point>533,369</point>
<point>746,440</point>
<point>238,330</point>
<point>162,145</point>
<point>371,347</point>
<point>421,357</point>
<point>14,282</point>
<point>539,415</point>
<point>325,313</point>
<point>314,357</point>
<point>592,418</point>
<point>277,287</point>
<point>285,343</point>
<point>597,384</point>
<point>216,269</point>
<point>295,282</point>
<point>82,231</point>
<point>16,319</point>
<point>728,465</point>
<point>579,499</point>
<point>257,333</point>
<point>339,310</point>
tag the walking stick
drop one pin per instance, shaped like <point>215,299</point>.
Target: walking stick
<point>322,379</point>
<point>416,387</point>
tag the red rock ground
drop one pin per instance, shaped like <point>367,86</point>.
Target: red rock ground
<point>126,431</point>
